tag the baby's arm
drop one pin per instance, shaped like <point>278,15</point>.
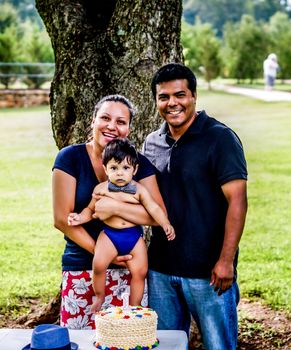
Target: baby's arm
<point>155,211</point>
<point>75,219</point>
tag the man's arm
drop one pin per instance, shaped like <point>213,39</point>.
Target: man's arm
<point>223,272</point>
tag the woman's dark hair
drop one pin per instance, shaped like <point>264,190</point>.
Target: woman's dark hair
<point>115,98</point>
<point>120,149</point>
<point>111,98</point>
<point>174,71</point>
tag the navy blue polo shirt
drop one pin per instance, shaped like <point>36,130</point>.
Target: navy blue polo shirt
<point>190,173</point>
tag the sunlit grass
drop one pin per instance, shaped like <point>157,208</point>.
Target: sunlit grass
<point>280,85</point>
<point>30,247</point>
<point>265,250</point>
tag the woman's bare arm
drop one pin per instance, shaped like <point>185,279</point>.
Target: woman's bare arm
<point>135,213</point>
<point>64,190</point>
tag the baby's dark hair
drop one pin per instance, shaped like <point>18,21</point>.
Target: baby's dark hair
<point>120,149</point>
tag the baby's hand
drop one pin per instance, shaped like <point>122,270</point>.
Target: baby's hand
<point>170,232</point>
<point>74,219</point>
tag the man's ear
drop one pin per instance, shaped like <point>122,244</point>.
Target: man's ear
<point>135,169</point>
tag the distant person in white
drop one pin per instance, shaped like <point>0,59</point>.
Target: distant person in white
<point>271,67</point>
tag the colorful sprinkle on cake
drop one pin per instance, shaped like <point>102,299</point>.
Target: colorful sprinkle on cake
<point>131,328</point>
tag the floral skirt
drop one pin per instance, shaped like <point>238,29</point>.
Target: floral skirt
<point>78,296</point>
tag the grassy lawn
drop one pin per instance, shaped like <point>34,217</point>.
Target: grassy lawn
<point>257,84</point>
<point>265,250</point>
<point>30,248</point>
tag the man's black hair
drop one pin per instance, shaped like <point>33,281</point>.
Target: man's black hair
<point>174,71</point>
<point>120,149</point>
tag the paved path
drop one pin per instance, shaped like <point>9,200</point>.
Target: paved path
<point>264,95</point>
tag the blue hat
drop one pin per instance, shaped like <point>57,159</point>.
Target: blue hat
<point>50,337</point>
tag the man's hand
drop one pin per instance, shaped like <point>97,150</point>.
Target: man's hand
<point>222,276</point>
<point>169,231</point>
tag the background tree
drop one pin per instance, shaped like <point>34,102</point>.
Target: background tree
<point>245,46</point>
<point>8,16</point>
<point>201,49</point>
<point>103,49</point>
<point>100,50</point>
<point>23,42</point>
<point>25,9</point>
<point>264,10</point>
<point>36,49</point>
<point>9,52</point>
<point>279,30</point>
<point>215,12</point>
<point>218,12</point>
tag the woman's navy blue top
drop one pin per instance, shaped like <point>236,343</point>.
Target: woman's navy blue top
<point>75,161</point>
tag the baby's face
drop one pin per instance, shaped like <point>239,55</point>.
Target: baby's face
<point>120,174</point>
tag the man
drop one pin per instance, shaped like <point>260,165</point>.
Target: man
<point>201,172</point>
<point>271,67</point>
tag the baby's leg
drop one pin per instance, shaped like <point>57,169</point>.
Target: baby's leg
<point>138,266</point>
<point>104,253</point>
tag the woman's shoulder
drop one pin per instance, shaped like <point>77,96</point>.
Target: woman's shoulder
<point>72,150</point>
<point>67,158</point>
<point>145,168</point>
<point>77,147</point>
<point>143,161</point>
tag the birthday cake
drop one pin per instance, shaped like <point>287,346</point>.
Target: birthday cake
<point>131,328</point>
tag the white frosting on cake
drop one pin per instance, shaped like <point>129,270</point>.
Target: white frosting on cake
<point>126,328</point>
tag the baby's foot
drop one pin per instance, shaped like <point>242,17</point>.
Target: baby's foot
<point>96,306</point>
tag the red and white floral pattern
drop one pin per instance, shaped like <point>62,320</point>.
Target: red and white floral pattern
<point>78,296</point>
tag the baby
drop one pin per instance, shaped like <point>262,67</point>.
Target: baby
<point>121,237</point>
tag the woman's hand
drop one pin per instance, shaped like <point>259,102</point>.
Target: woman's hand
<point>104,208</point>
<point>135,213</point>
<point>121,260</point>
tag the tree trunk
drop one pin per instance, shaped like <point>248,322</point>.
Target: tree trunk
<point>104,49</point>
<point>49,313</point>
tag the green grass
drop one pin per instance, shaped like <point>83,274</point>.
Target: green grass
<point>30,248</point>
<point>280,85</point>
<point>265,250</point>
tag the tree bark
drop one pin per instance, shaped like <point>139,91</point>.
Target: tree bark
<point>49,313</point>
<point>100,49</point>
<point>103,49</point>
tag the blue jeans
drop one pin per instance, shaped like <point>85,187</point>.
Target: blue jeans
<point>175,299</point>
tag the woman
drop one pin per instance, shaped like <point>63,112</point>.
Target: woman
<point>77,170</point>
